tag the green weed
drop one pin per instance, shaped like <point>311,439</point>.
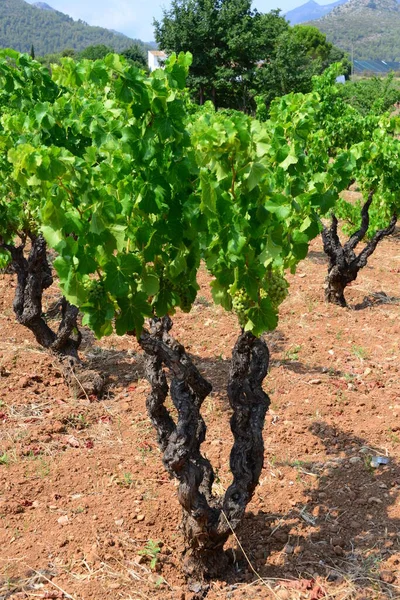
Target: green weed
<point>4,459</point>
<point>359,352</point>
<point>126,480</point>
<point>292,353</point>
<point>151,551</point>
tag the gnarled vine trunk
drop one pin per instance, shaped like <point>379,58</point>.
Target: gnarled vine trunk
<point>344,264</point>
<point>207,520</point>
<point>34,276</point>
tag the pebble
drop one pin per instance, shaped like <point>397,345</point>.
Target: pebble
<point>140,559</point>
<point>387,576</point>
<point>354,525</point>
<point>114,585</point>
<point>338,550</point>
<point>156,579</point>
<point>327,473</point>
<point>140,518</point>
<point>58,427</point>
<point>288,549</point>
<point>374,500</point>
<point>281,536</point>
<point>360,501</point>
<point>355,459</point>
<point>63,520</point>
<point>337,541</point>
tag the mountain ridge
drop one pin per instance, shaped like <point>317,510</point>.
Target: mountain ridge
<point>23,25</point>
<point>310,11</point>
<point>370,29</point>
<point>43,6</point>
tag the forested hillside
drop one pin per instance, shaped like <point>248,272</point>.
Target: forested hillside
<point>370,27</point>
<point>23,25</point>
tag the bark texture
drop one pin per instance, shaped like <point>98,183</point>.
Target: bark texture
<point>207,519</point>
<point>34,276</point>
<point>344,263</point>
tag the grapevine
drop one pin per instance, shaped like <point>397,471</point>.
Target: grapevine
<point>133,188</point>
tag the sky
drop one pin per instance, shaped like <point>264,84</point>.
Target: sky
<point>135,17</point>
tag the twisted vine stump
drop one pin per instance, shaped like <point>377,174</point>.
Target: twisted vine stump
<point>34,276</point>
<point>207,520</point>
<point>344,264</point>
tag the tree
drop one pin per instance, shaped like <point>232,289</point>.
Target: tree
<point>95,52</point>
<point>189,25</point>
<point>227,40</point>
<point>68,52</point>
<point>322,52</point>
<point>136,55</point>
<point>299,53</point>
<point>290,69</point>
<point>240,54</point>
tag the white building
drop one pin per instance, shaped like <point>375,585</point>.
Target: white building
<point>155,59</point>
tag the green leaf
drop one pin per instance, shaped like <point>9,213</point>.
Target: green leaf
<point>220,295</point>
<point>177,266</point>
<point>261,318</point>
<point>278,206</point>
<point>116,282</point>
<point>256,174</point>
<point>73,289</point>
<point>291,159</point>
<point>150,284</point>
<point>53,237</point>
<point>132,312</point>
<point>270,252</point>
<point>208,195</point>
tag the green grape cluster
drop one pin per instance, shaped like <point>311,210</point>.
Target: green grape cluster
<point>183,291</point>
<point>240,304</point>
<point>275,288</point>
<point>32,226</point>
<point>166,284</point>
<point>95,289</point>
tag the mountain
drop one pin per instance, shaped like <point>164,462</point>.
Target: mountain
<point>368,28</point>
<point>43,6</point>
<point>310,11</point>
<point>23,25</point>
